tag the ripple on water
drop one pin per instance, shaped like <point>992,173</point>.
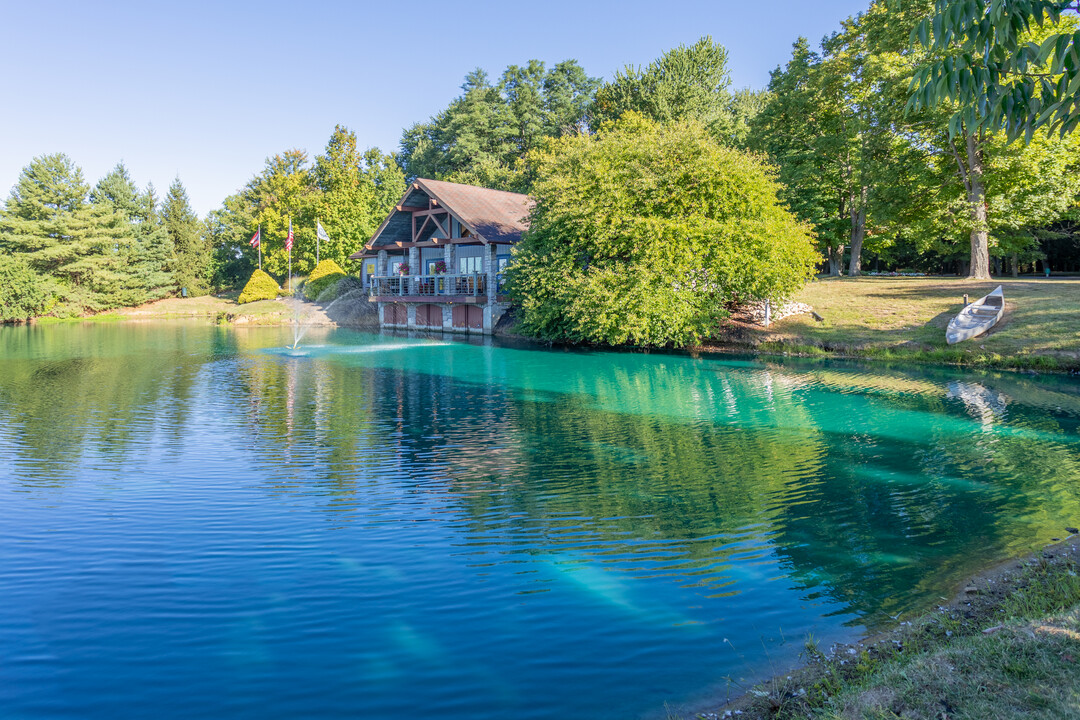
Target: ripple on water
<point>204,521</point>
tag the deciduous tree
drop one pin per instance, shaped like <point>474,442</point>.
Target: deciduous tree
<point>1002,65</point>
<point>645,232</point>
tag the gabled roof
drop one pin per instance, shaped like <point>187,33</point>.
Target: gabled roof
<point>492,216</point>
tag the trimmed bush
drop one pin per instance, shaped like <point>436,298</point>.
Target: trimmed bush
<point>325,274</point>
<point>260,287</point>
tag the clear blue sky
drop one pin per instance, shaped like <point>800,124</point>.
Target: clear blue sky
<point>206,91</point>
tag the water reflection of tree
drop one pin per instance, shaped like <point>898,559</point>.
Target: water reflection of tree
<point>73,392</point>
<point>868,487</point>
<point>873,496</point>
<point>918,493</point>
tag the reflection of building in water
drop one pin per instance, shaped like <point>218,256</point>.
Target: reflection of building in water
<point>985,405</point>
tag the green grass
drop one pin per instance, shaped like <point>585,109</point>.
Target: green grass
<point>220,309</point>
<point>905,319</point>
<point>100,318</point>
<point>1023,670</point>
<point>1009,648</point>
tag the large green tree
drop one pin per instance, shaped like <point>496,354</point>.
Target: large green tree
<point>149,258</point>
<point>834,124</point>
<point>356,190</point>
<point>860,167</point>
<point>993,190</point>
<point>799,129</point>
<point>80,249</point>
<point>484,136</point>
<point>645,232</point>
<point>1001,65</point>
<point>347,191</point>
<point>23,295</point>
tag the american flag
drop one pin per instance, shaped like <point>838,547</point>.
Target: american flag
<point>289,239</point>
<point>256,238</point>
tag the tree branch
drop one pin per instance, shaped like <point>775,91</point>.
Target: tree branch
<point>960,167</point>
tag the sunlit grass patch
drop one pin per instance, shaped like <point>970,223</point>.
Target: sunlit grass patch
<point>905,319</point>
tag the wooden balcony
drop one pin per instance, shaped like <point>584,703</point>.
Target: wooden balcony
<point>467,288</point>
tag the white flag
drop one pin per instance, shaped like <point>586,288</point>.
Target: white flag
<point>320,232</point>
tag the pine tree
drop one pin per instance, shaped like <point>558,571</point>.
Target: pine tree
<point>193,266</point>
<point>148,256</point>
<point>156,252</point>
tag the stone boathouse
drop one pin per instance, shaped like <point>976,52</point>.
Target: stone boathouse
<point>436,262</point>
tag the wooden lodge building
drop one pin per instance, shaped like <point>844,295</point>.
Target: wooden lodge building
<point>436,262</point>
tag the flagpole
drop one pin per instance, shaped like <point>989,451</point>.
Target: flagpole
<point>290,256</point>
<point>317,225</point>
<point>260,245</point>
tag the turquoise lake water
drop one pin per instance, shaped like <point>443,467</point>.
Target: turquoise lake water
<point>197,522</point>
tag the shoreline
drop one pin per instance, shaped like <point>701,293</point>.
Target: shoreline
<point>1033,363</point>
<point>982,607</point>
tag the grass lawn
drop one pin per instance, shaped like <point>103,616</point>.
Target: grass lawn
<point>886,317</point>
<point>1007,647</point>
<point>219,308</point>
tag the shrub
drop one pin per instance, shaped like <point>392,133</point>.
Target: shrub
<point>23,294</point>
<point>645,233</point>
<point>344,286</point>
<point>325,274</point>
<point>260,287</point>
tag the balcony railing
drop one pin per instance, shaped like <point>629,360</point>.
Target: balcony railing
<point>473,284</point>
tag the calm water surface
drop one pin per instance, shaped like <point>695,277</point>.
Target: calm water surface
<point>195,522</point>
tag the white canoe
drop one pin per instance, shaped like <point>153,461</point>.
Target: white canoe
<point>976,318</point>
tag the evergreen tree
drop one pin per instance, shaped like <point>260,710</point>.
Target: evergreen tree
<point>157,252</point>
<point>22,293</point>
<point>192,267</point>
<point>41,222</point>
<point>48,187</point>
<point>484,136</point>
<point>118,189</point>
<point>147,259</point>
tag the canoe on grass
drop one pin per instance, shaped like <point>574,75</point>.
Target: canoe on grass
<point>976,318</point>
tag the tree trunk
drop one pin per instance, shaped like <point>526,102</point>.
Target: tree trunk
<point>980,244</point>
<point>836,260</point>
<point>1015,265</point>
<point>858,232</point>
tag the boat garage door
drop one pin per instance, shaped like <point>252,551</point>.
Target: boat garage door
<point>429,315</point>
<point>395,314</point>
<point>468,317</point>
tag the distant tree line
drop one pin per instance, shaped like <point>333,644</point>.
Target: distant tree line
<point>69,248</point>
<point>874,136</point>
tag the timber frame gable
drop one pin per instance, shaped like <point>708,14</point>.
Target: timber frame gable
<point>434,213</point>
